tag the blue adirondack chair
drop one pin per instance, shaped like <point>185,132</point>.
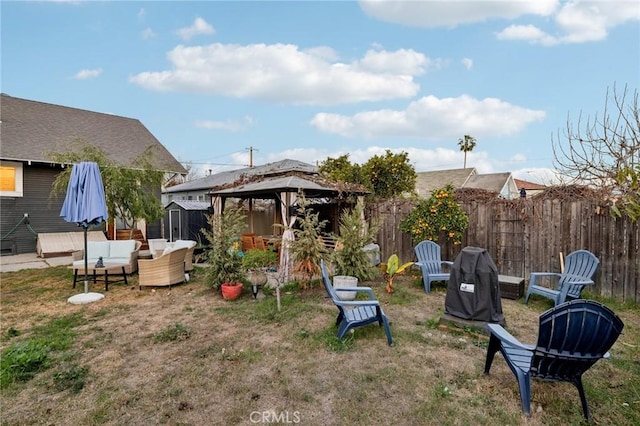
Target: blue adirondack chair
<point>430,263</point>
<point>578,273</point>
<point>571,338</point>
<point>358,312</point>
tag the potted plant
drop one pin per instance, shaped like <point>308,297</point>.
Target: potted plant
<point>257,262</point>
<point>224,258</point>
<point>307,249</point>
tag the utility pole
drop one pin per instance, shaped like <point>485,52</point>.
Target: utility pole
<point>251,149</point>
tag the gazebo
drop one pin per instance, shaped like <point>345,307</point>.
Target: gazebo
<point>284,189</point>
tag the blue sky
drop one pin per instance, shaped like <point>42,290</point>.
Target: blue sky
<point>311,80</point>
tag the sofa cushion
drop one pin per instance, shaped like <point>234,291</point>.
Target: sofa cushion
<point>122,248</point>
<point>183,243</point>
<point>124,260</point>
<point>96,249</point>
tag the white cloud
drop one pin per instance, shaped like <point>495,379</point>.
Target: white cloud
<point>199,26</point>
<point>87,74</point>
<point>451,13</point>
<point>402,62</point>
<point>467,63</point>
<point>141,13</point>
<point>576,21</point>
<point>591,20</point>
<point>433,119</point>
<point>148,33</point>
<point>230,125</point>
<point>283,73</point>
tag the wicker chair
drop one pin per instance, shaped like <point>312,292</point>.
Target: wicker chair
<point>157,246</point>
<point>188,257</point>
<point>165,270</point>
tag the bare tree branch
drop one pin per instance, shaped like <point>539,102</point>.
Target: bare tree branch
<point>603,151</point>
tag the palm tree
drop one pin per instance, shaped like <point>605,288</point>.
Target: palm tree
<point>466,145</point>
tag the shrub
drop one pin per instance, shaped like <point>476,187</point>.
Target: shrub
<point>257,258</point>
<point>349,257</point>
<point>307,249</point>
<point>224,257</point>
<point>435,216</point>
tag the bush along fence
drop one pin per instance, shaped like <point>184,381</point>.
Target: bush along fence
<point>531,234</point>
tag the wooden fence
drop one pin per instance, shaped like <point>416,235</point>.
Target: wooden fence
<point>529,235</point>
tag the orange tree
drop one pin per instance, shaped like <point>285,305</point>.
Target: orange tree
<point>437,215</point>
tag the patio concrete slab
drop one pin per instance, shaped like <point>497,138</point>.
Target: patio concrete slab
<point>31,261</point>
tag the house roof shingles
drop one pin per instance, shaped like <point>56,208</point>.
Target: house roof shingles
<point>493,182</point>
<point>427,182</point>
<point>30,130</point>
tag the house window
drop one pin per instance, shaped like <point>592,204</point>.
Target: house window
<point>10,179</point>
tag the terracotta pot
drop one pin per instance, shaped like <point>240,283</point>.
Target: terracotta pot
<point>231,291</point>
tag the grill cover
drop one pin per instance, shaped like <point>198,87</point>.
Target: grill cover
<point>473,292</point>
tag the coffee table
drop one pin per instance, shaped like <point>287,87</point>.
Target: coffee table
<point>109,267</point>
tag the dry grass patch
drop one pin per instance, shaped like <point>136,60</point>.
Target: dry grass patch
<point>185,356</point>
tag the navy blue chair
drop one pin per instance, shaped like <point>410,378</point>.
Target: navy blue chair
<point>355,313</point>
<point>572,337</point>
<point>430,263</point>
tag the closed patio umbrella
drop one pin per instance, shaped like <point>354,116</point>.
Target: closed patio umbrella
<point>85,205</point>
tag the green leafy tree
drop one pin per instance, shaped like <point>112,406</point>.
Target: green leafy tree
<point>129,192</point>
<point>389,175</point>
<point>467,143</point>
<point>341,169</point>
<point>437,215</point>
<point>348,257</point>
<point>386,176</point>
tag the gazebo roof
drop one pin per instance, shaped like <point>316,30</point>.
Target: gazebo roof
<point>313,186</point>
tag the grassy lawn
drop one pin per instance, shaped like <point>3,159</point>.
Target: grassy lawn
<point>185,356</point>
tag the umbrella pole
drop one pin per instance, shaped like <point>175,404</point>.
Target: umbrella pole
<point>86,263</point>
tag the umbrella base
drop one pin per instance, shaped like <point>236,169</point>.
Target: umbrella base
<point>83,298</point>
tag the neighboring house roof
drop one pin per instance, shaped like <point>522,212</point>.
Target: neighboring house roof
<point>500,183</point>
<point>427,182</point>
<point>528,185</point>
<point>31,129</point>
<point>224,178</point>
<point>494,182</point>
<point>190,204</point>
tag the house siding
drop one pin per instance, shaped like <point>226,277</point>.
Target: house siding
<point>43,210</point>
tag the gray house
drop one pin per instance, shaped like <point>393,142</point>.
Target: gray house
<point>29,131</point>
<point>502,184</point>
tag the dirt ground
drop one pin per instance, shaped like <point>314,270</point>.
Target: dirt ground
<point>244,362</point>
